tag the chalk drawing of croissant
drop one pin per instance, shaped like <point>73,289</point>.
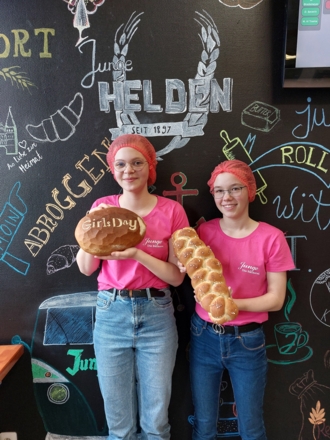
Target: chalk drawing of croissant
<point>62,258</point>
<point>61,125</point>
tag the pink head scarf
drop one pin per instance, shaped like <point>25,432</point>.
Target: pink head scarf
<point>139,143</point>
<point>241,170</point>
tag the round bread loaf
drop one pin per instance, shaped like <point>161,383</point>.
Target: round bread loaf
<point>109,229</point>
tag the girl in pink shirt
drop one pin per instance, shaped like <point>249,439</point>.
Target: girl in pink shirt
<point>135,335</point>
<point>255,257</point>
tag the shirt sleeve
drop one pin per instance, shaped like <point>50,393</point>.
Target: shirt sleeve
<point>280,258</point>
<point>180,219</point>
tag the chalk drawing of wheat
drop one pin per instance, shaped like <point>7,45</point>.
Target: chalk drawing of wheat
<point>16,77</point>
<point>121,44</point>
<point>209,36</point>
<point>317,417</point>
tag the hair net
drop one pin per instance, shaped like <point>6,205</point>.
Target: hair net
<point>241,170</point>
<point>139,143</point>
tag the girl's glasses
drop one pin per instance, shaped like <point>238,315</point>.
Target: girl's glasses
<point>218,193</point>
<point>136,164</point>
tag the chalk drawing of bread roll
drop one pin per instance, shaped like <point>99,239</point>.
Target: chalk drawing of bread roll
<point>62,258</point>
<point>61,125</point>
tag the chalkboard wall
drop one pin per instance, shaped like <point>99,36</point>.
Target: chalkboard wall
<point>202,80</point>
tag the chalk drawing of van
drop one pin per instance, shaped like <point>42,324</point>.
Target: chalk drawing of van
<point>64,368</point>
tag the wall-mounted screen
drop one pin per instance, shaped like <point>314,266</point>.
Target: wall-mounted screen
<point>307,44</point>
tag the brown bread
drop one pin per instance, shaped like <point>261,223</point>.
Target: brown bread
<point>109,229</point>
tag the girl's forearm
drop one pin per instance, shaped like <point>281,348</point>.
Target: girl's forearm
<point>87,263</point>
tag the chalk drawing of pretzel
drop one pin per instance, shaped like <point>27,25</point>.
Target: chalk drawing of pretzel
<point>61,125</point>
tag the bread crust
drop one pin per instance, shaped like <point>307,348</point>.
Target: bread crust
<point>205,272</point>
<point>109,229</point>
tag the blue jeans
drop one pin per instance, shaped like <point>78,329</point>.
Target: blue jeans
<point>244,356</point>
<point>135,341</point>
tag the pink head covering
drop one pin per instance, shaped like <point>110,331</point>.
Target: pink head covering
<point>139,143</point>
<point>241,170</point>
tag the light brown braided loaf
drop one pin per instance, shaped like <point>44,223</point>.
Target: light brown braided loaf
<point>205,272</point>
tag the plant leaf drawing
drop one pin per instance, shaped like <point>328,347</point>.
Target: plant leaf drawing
<point>20,79</point>
<point>317,417</point>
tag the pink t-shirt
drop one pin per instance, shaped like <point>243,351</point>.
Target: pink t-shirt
<point>166,217</point>
<point>246,261</point>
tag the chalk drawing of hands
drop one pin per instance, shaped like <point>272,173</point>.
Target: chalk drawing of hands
<point>61,125</point>
<point>244,4</point>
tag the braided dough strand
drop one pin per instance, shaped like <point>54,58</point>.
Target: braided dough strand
<point>205,272</point>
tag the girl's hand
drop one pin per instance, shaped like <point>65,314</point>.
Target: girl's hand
<point>195,298</point>
<point>101,206</point>
<point>181,267</point>
<point>129,253</point>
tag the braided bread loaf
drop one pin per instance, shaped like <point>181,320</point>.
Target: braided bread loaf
<point>205,272</point>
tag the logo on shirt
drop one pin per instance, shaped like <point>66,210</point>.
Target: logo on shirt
<point>254,270</point>
<point>153,243</point>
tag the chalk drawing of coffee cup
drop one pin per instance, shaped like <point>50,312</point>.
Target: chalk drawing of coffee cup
<point>290,337</point>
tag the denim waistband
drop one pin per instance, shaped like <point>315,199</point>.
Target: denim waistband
<point>138,293</point>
